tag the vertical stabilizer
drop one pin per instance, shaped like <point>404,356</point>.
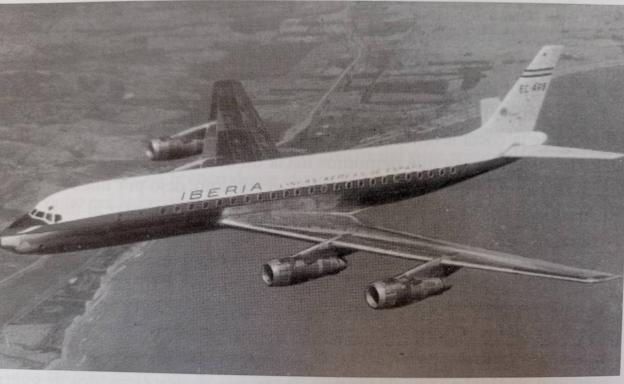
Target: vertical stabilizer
<point>520,108</point>
<point>487,107</point>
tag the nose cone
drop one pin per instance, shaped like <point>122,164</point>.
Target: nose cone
<point>8,239</point>
<point>8,242</point>
<point>12,236</point>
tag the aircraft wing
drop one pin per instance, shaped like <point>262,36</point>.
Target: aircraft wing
<point>345,231</point>
<point>235,134</point>
<point>240,132</point>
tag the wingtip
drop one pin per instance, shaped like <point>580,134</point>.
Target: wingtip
<point>611,156</point>
<point>601,278</point>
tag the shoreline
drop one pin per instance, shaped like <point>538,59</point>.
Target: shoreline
<point>133,251</point>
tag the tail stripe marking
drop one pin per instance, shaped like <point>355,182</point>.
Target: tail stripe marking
<point>538,75</point>
<point>539,69</point>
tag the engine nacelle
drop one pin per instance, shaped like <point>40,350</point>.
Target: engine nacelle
<point>169,149</point>
<point>300,268</point>
<point>189,142</point>
<point>394,292</point>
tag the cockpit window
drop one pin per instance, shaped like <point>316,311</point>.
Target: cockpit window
<point>49,218</point>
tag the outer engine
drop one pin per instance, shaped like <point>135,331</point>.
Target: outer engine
<point>409,287</point>
<point>315,262</point>
<point>189,142</point>
<point>393,292</point>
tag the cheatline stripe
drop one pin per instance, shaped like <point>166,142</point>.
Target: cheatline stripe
<point>538,75</point>
<point>539,69</point>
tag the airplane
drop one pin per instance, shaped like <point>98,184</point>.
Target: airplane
<point>315,198</point>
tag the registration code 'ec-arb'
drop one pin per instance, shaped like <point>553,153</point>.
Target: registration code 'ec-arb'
<point>536,87</point>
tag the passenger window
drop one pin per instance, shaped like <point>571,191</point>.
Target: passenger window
<point>324,188</point>
<point>163,211</point>
<point>408,177</point>
<point>206,204</point>
<point>421,175</point>
<point>286,193</point>
<point>360,183</point>
<point>310,190</point>
<point>372,181</point>
<point>442,171</point>
<point>219,202</point>
<point>233,201</point>
<point>247,199</point>
<point>297,192</point>
<point>348,185</point>
<point>337,187</point>
<point>177,209</point>
<point>453,170</point>
<point>259,197</point>
<point>431,174</point>
<point>273,196</point>
<point>384,180</point>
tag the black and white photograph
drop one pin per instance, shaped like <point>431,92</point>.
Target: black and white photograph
<point>312,189</point>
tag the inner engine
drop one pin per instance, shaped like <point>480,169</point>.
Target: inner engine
<point>189,142</point>
<point>315,262</point>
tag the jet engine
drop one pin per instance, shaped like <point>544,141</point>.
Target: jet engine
<point>312,263</point>
<point>189,142</point>
<point>166,148</point>
<point>393,293</point>
<point>417,284</point>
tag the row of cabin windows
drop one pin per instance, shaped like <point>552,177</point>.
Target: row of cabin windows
<point>312,190</point>
<point>270,196</point>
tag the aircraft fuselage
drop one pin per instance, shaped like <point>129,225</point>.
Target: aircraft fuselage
<point>200,205</point>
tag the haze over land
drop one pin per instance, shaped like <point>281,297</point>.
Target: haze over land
<point>84,85</point>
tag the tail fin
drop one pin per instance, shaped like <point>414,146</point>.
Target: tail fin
<point>520,108</point>
<point>487,107</point>
<point>241,135</point>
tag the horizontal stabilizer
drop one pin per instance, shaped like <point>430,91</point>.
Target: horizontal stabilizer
<point>550,151</point>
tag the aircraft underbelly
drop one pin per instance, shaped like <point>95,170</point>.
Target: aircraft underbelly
<point>429,183</point>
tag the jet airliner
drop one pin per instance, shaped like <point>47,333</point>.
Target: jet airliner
<point>314,198</point>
